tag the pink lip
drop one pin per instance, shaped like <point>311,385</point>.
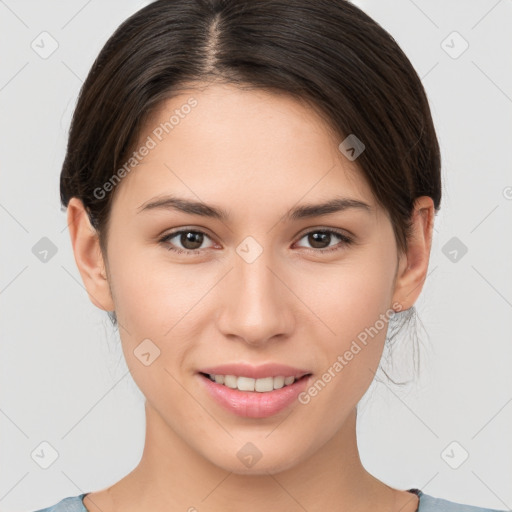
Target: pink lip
<point>253,404</point>
<point>256,372</point>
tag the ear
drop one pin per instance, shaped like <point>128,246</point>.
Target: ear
<point>413,264</point>
<point>88,256</point>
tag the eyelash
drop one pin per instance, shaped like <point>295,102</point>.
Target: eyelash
<point>190,252</point>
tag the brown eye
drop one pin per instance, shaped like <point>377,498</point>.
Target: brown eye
<point>319,239</point>
<point>190,241</point>
<point>322,240</point>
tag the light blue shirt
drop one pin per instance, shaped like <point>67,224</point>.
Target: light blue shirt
<point>427,504</point>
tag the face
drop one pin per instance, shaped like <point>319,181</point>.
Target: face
<point>257,286</point>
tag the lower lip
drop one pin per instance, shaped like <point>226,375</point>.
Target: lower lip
<point>253,404</point>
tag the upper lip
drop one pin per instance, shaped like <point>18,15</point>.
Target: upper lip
<point>256,372</point>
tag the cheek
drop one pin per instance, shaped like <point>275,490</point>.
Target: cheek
<point>352,295</point>
<point>152,294</point>
<point>357,300</point>
<point>355,303</point>
<point>155,304</point>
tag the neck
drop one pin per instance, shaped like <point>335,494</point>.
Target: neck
<point>172,476</point>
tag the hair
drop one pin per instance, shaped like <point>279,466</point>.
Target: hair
<point>328,53</point>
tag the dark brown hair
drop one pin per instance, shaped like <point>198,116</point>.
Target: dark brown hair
<point>326,52</point>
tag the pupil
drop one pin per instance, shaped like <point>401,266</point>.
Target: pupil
<point>319,238</point>
<point>193,238</point>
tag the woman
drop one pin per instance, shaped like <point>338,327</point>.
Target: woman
<point>251,189</point>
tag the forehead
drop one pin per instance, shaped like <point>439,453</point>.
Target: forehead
<point>239,144</point>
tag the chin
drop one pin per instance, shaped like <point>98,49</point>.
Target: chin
<point>248,459</point>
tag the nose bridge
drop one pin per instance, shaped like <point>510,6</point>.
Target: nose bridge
<point>255,307</point>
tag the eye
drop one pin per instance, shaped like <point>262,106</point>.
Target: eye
<point>321,239</point>
<point>190,240</point>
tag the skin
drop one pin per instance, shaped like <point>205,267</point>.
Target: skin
<point>256,154</point>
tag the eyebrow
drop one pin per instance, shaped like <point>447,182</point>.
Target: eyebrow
<point>305,211</point>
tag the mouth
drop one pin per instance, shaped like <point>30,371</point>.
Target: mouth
<point>260,385</point>
<point>250,397</point>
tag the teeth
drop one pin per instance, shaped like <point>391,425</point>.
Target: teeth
<point>263,385</point>
<point>279,382</point>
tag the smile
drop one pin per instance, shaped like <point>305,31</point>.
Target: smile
<point>262,385</point>
<point>254,397</point>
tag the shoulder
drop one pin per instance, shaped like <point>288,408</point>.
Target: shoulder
<point>71,504</point>
<point>430,504</point>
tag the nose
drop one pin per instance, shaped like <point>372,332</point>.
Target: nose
<point>255,305</point>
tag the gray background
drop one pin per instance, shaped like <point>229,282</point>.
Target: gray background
<point>63,380</point>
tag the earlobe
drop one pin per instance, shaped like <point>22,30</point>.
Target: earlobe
<point>88,256</point>
<point>413,264</point>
